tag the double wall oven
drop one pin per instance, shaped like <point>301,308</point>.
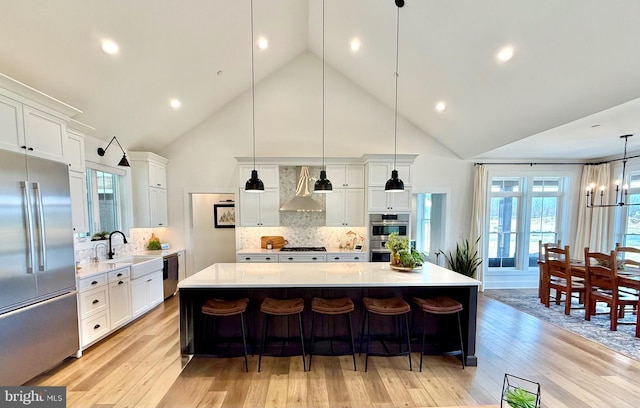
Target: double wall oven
<point>380,227</point>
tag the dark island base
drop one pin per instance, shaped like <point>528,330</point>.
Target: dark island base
<point>198,334</point>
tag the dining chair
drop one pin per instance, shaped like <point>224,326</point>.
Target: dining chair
<point>560,276</point>
<point>601,284</point>
<point>543,277</point>
<point>627,256</point>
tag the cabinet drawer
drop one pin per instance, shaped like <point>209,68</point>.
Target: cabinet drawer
<point>360,257</point>
<point>257,258</point>
<point>302,258</point>
<point>119,274</point>
<point>94,327</point>
<point>94,301</point>
<point>93,282</point>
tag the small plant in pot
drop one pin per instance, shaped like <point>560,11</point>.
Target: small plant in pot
<point>520,398</point>
<point>465,259</point>
<point>98,236</point>
<point>401,255</point>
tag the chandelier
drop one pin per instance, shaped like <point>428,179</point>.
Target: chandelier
<point>621,191</point>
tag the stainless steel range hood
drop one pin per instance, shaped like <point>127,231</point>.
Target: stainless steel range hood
<point>302,201</point>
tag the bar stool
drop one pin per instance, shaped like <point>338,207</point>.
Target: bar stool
<point>282,307</point>
<point>442,305</point>
<point>396,307</point>
<point>225,308</point>
<point>332,307</point>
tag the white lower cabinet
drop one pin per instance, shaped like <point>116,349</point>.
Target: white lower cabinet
<point>146,292</point>
<point>109,300</point>
<point>347,257</point>
<point>257,258</point>
<point>120,301</point>
<point>302,258</point>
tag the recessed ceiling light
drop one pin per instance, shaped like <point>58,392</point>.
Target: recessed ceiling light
<point>505,54</point>
<point>110,47</point>
<point>262,43</point>
<point>441,106</point>
<point>175,103</point>
<point>355,44</point>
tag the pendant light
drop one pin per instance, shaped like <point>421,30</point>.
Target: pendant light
<point>394,184</point>
<point>254,184</point>
<point>323,185</point>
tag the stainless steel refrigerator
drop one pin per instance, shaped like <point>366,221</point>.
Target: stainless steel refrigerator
<point>38,302</point>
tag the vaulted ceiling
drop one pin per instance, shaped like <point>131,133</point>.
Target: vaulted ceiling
<point>570,90</point>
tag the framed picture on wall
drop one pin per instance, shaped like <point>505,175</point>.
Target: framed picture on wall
<point>224,215</point>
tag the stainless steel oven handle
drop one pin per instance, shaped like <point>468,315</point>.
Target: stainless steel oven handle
<point>42,253</point>
<point>27,214</point>
<point>380,251</point>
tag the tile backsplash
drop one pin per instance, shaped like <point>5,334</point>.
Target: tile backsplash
<point>137,239</point>
<point>330,237</point>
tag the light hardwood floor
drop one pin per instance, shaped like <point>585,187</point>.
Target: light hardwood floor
<point>140,366</point>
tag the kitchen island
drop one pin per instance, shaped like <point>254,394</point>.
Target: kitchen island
<point>356,280</point>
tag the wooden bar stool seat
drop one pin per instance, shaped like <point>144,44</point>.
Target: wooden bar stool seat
<point>282,307</point>
<point>395,306</point>
<point>442,305</point>
<point>332,307</point>
<point>226,308</point>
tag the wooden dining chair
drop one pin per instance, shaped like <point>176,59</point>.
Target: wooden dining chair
<point>601,284</point>
<point>543,276</point>
<point>560,277</point>
<point>627,256</point>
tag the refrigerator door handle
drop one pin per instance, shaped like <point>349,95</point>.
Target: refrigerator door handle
<point>42,253</point>
<point>29,229</point>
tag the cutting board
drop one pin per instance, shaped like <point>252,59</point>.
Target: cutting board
<point>276,240</point>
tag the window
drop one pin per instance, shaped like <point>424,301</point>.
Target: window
<point>105,198</point>
<point>631,214</point>
<point>430,220</point>
<point>423,232</point>
<point>523,210</point>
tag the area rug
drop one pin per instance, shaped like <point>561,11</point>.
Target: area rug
<point>597,329</point>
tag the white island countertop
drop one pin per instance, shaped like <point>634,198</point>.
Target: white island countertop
<point>320,274</point>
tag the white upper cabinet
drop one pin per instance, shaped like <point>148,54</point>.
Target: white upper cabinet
<point>379,173</point>
<point>260,209</point>
<point>11,125</point>
<point>268,173</point>
<point>27,129</point>
<point>345,207</point>
<point>346,175</point>
<point>75,151</point>
<point>148,176</point>
<point>79,204</point>
<point>157,175</point>
<point>381,201</point>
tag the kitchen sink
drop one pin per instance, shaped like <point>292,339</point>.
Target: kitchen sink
<point>140,265</point>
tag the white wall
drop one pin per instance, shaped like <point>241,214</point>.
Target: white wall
<point>288,124</point>
<point>210,245</point>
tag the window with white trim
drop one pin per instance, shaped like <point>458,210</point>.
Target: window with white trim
<point>523,211</point>
<point>630,234</point>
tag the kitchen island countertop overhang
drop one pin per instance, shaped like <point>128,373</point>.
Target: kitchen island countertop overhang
<point>285,280</point>
<point>315,275</point>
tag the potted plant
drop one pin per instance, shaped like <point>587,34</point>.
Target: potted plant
<point>465,259</point>
<point>395,245</point>
<point>519,392</point>
<point>98,236</point>
<point>401,255</point>
<point>520,398</point>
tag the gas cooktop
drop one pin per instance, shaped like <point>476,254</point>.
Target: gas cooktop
<point>303,249</point>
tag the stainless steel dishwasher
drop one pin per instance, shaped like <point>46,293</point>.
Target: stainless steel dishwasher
<point>170,275</point>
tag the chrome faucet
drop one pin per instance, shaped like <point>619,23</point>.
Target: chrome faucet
<point>96,258</point>
<point>110,254</point>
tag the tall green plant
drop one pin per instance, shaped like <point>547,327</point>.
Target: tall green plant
<point>465,259</point>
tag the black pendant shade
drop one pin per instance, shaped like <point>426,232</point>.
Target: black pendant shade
<point>254,184</point>
<point>323,185</point>
<point>124,162</point>
<point>394,184</point>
